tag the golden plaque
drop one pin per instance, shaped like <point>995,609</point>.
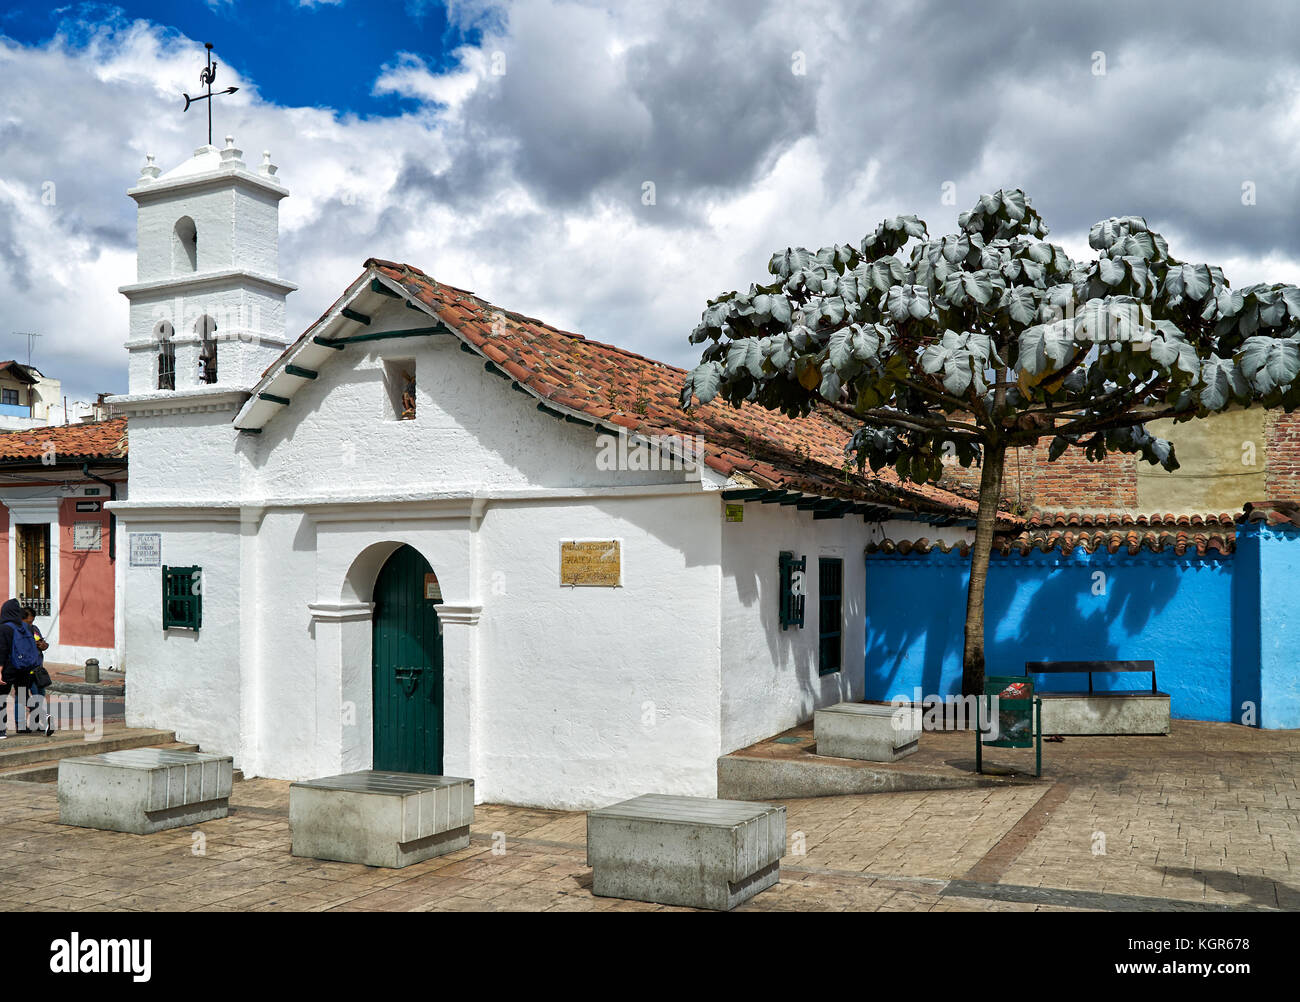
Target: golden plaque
<point>595,563</point>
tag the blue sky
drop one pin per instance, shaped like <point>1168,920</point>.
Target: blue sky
<point>301,55</point>
<point>505,146</point>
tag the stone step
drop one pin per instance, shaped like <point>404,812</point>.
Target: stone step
<point>17,751</point>
<point>48,771</point>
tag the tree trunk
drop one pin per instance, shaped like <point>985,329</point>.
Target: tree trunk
<point>972,661</point>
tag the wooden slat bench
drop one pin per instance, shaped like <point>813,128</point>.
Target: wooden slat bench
<point>1135,711</point>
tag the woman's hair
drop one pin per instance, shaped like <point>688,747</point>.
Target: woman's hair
<point>29,611</point>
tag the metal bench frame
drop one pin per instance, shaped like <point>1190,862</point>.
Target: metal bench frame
<point>1101,667</point>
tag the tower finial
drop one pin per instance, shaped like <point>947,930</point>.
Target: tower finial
<point>206,77</point>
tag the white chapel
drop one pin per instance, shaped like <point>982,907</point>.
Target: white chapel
<point>429,534</point>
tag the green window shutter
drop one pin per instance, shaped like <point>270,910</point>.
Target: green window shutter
<point>792,589</point>
<point>830,607</point>
<point>182,598</point>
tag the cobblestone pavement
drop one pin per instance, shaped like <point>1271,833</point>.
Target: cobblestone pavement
<point>1206,819</point>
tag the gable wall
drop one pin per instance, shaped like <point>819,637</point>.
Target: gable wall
<point>471,430</point>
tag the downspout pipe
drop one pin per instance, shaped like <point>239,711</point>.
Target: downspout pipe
<point>112,517</point>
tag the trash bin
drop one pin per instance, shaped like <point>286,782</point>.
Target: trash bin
<point>92,669</point>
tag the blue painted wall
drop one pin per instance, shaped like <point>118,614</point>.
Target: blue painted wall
<point>1266,636</point>
<point>1176,611</point>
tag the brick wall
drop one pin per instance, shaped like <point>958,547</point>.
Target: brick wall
<point>1072,482</point>
<point>1282,456</point>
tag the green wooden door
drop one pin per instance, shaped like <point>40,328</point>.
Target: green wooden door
<point>407,669</point>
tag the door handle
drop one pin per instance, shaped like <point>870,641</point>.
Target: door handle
<point>409,676</point>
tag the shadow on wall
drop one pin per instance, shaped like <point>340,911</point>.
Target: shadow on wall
<point>794,652</point>
<point>1049,607</point>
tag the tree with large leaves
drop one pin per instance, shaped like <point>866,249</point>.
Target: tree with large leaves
<point>991,338</point>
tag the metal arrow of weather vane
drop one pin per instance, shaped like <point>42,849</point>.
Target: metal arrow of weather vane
<point>206,77</point>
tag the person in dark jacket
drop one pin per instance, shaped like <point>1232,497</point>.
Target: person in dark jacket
<point>37,706</point>
<point>12,619</point>
<point>10,612</point>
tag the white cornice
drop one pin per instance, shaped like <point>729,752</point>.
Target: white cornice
<point>226,276</point>
<point>144,193</point>
<point>419,504</point>
<point>465,614</point>
<point>340,612</point>
<point>197,400</point>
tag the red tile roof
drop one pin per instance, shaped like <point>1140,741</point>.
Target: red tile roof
<point>1271,512</point>
<point>92,440</point>
<point>613,386</point>
<point>1116,531</point>
<point>1111,531</point>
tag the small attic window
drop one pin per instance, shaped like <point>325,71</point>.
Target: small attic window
<point>399,379</point>
<point>185,246</point>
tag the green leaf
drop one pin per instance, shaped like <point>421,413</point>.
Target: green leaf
<point>785,263</point>
<point>1221,383</point>
<point>1269,363</point>
<point>745,355</point>
<point>703,381</point>
<point>1022,306</point>
<point>1111,271</point>
<point>1045,348</point>
<point>1169,350</point>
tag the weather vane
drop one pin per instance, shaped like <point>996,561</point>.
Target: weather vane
<point>206,77</point>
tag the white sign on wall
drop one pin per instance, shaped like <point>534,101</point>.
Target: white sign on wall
<point>86,535</point>
<point>146,549</point>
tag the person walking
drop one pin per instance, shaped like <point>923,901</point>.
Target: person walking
<point>21,662</point>
<point>38,681</point>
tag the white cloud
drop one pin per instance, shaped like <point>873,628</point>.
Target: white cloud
<point>526,186</point>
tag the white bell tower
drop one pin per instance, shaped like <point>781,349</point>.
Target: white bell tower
<point>207,306</point>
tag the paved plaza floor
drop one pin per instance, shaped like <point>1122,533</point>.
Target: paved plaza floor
<point>1206,819</point>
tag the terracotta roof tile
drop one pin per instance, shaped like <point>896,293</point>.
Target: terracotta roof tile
<point>1115,531</point>
<point>92,440</point>
<point>1271,512</point>
<point>608,384</point>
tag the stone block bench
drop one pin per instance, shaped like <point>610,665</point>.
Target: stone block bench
<point>144,790</point>
<point>867,732</point>
<point>388,819</point>
<point>692,851</point>
<point>1138,711</point>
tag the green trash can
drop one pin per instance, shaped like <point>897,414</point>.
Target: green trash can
<point>1010,703</point>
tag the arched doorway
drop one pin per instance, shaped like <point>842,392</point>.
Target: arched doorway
<point>407,667</point>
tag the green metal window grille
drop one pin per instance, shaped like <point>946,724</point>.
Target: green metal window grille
<point>830,606</point>
<point>182,598</point>
<point>792,589</point>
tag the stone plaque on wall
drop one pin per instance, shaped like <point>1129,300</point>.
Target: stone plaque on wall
<point>593,562</point>
<point>86,535</point>
<point>146,549</point>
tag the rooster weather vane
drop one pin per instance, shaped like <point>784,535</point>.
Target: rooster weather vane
<point>206,77</point>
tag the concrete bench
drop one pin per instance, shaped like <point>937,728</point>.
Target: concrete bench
<point>692,851</point>
<point>867,732</point>
<point>388,819</point>
<point>1140,711</point>
<point>144,790</point>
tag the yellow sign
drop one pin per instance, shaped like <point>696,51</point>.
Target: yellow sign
<point>735,513</point>
<point>597,563</point>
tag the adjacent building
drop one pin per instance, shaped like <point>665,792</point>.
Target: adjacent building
<point>58,537</point>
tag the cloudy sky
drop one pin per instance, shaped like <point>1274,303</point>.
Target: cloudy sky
<point>507,148</point>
